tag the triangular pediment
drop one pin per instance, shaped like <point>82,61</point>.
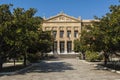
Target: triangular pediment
<point>62,18</point>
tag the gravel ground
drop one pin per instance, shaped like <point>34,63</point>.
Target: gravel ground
<point>63,69</point>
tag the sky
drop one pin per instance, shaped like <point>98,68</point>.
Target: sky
<point>86,9</point>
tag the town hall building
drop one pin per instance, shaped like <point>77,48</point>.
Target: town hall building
<point>65,29</point>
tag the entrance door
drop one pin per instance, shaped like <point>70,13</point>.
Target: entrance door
<point>62,44</point>
<point>55,47</point>
<point>69,46</point>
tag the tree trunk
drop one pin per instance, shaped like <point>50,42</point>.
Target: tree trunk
<point>106,58</point>
<point>25,59</point>
<point>105,61</point>
<point>14,62</point>
<point>1,64</point>
<point>83,55</point>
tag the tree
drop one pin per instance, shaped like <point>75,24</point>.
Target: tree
<point>77,45</point>
<point>17,31</point>
<point>41,46</point>
<point>45,41</point>
<point>25,27</point>
<point>108,31</point>
<point>104,35</point>
<point>5,21</point>
<point>21,34</point>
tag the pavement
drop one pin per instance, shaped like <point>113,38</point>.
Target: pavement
<point>12,64</point>
<point>63,69</point>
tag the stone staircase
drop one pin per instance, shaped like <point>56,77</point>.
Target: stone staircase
<point>66,55</point>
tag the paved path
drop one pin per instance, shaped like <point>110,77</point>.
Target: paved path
<point>65,69</point>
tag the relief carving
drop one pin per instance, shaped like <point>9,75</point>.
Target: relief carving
<point>62,18</point>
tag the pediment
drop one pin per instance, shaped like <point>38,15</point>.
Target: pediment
<point>62,18</point>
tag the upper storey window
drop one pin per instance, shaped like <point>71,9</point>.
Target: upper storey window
<point>76,34</point>
<point>54,34</point>
<point>61,34</point>
<point>69,34</point>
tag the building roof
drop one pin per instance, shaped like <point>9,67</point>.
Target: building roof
<point>64,18</point>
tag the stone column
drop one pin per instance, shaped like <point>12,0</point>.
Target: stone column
<point>65,46</point>
<point>72,37</point>
<point>58,42</point>
<point>58,47</point>
<point>65,39</point>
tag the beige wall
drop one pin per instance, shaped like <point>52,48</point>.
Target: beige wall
<point>54,24</point>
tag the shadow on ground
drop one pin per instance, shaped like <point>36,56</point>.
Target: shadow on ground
<point>110,65</point>
<point>46,67</point>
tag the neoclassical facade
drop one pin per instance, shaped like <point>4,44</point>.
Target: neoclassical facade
<point>65,29</point>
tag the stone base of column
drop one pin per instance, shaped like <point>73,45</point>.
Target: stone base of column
<point>58,51</point>
<point>65,52</point>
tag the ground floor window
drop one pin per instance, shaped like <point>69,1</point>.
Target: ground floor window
<point>69,46</point>
<point>62,44</point>
<point>55,47</point>
<point>62,47</point>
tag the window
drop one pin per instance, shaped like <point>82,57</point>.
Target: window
<point>55,47</point>
<point>76,34</point>
<point>68,34</point>
<point>54,34</point>
<point>69,46</point>
<point>62,46</point>
<point>61,34</point>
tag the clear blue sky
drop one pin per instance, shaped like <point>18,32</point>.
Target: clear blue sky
<point>84,8</point>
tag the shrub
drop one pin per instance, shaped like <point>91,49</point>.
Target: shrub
<point>93,56</point>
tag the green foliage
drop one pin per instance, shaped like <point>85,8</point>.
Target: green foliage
<point>33,57</point>
<point>21,33</point>
<point>104,34</point>
<point>77,46</point>
<point>84,43</point>
<point>46,42</point>
<point>93,56</point>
